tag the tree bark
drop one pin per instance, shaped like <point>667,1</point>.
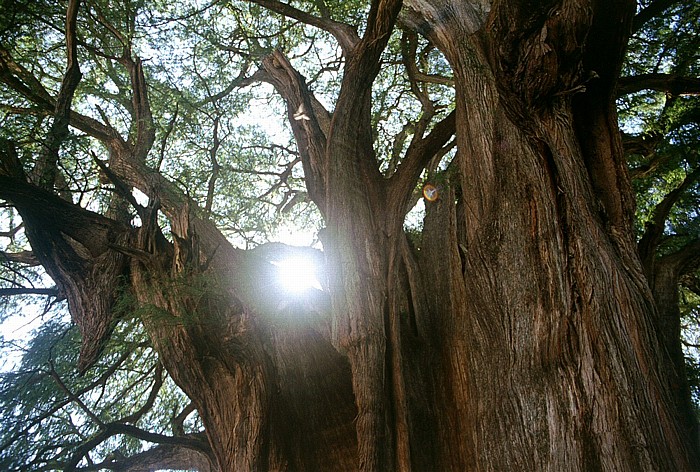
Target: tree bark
<point>559,368</point>
<point>519,335</point>
<point>667,272</point>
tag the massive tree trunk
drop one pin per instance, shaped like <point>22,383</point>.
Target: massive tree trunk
<point>554,361</point>
<point>518,336</point>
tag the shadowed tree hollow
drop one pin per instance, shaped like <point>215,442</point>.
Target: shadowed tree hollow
<point>523,321</point>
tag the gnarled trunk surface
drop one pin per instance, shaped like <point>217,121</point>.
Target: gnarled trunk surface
<point>519,336</point>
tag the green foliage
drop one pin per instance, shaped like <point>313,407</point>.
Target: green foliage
<point>47,411</point>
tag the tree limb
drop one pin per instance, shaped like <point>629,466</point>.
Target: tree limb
<point>418,155</point>
<point>73,245</point>
<point>30,423</point>
<point>653,10</point>
<point>681,262</point>
<point>193,442</point>
<point>178,422</point>
<point>669,83</point>
<point>215,166</point>
<point>141,109</point>
<point>654,229</point>
<point>363,64</point>
<point>22,257</point>
<point>345,34</point>
<point>160,457</point>
<point>352,123</point>
<point>309,120</point>
<point>19,79</point>
<point>8,292</point>
<point>45,170</point>
<point>150,401</point>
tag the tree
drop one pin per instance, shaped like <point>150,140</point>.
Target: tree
<point>523,328</point>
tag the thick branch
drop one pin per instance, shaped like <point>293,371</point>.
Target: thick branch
<point>309,120</point>
<point>19,79</point>
<point>418,155</point>
<point>178,421</point>
<point>145,130</point>
<point>345,34</point>
<point>22,257</point>
<point>112,429</point>
<point>161,457</point>
<point>653,10</point>
<point>683,261</point>
<point>594,112</point>
<point>141,109</point>
<point>8,292</point>
<point>349,151</point>
<point>45,170</point>
<point>73,245</point>
<point>363,65</point>
<point>669,83</point>
<point>655,228</point>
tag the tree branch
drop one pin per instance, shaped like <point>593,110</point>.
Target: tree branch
<point>215,166</point>
<point>150,401</point>
<point>418,155</point>
<point>363,65</point>
<point>22,81</point>
<point>669,83</point>
<point>178,422</point>
<point>145,130</point>
<point>8,292</point>
<point>352,126</point>
<point>309,120</point>
<point>72,396</point>
<point>31,423</point>
<point>345,34</point>
<point>45,170</point>
<point>18,78</point>
<point>684,260</point>
<point>74,246</point>
<point>22,257</point>
<point>654,229</point>
<point>160,457</point>
<point>192,442</point>
<point>653,10</point>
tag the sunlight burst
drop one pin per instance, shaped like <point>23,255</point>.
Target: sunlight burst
<point>297,274</point>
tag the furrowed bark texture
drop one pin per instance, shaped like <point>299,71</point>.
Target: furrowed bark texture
<point>550,352</point>
<point>272,396</point>
<point>667,271</point>
<point>75,248</point>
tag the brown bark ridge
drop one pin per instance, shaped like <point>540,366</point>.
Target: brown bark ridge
<point>272,397</point>
<point>561,369</point>
<point>74,246</point>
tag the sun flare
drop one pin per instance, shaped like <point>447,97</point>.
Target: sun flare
<point>297,274</point>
